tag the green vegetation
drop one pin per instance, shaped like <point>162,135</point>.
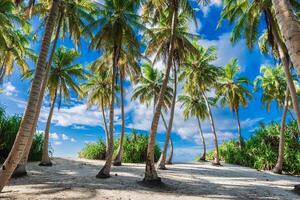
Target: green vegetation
<point>9,126</point>
<point>135,149</point>
<point>261,150</point>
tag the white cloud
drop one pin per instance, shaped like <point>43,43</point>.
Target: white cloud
<point>54,136</point>
<point>64,137</point>
<point>57,143</point>
<point>73,140</point>
<point>206,9</point>
<point>9,89</point>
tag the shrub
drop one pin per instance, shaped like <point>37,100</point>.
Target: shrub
<point>261,150</point>
<point>94,151</point>
<point>9,126</point>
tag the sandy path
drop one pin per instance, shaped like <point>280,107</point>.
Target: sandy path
<point>75,179</point>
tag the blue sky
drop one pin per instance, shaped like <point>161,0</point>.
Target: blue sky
<point>73,125</point>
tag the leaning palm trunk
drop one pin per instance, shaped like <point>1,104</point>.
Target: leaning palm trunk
<point>239,128</point>
<point>27,123</point>
<point>150,171</point>
<point>45,156</point>
<point>118,159</point>
<point>162,161</point>
<point>278,168</point>
<point>290,30</point>
<point>169,161</point>
<point>105,126</point>
<point>21,167</point>
<point>105,171</point>
<point>212,124</point>
<point>283,53</point>
<point>203,157</point>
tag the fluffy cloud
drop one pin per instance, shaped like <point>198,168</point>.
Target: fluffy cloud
<point>54,136</point>
<point>64,137</point>
<point>9,89</point>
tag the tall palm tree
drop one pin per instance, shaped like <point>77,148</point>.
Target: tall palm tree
<point>247,16</point>
<point>23,136</point>
<point>98,92</point>
<point>195,106</point>
<point>232,90</point>
<point>62,77</point>
<point>273,84</point>
<point>200,74</point>
<point>115,30</point>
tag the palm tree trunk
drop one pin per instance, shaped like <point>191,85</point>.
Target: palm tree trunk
<point>162,161</point>
<point>105,171</point>
<point>283,53</point>
<point>27,123</point>
<point>169,161</point>
<point>45,157</point>
<point>150,171</point>
<point>212,124</point>
<point>203,157</point>
<point>278,168</point>
<point>239,128</point>
<point>290,29</point>
<point>21,167</point>
<point>118,159</point>
<point>105,127</point>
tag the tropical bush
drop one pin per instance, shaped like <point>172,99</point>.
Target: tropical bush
<point>9,126</point>
<point>135,149</point>
<point>261,150</point>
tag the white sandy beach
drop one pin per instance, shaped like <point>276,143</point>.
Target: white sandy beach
<point>75,179</point>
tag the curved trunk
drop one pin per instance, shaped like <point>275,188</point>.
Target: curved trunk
<point>283,53</point>
<point>212,124</point>
<point>21,167</point>
<point>290,30</point>
<point>118,159</point>
<point>27,123</point>
<point>45,157</point>
<point>105,171</point>
<point>150,171</point>
<point>278,167</point>
<point>203,157</point>
<point>169,161</point>
<point>105,127</point>
<point>239,128</point>
<point>162,161</point>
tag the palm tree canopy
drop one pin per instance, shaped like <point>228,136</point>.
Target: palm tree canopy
<point>231,88</point>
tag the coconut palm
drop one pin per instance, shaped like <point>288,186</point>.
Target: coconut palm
<point>273,84</point>
<point>195,106</point>
<point>115,30</point>
<point>23,136</point>
<point>200,74</point>
<point>62,77</point>
<point>247,16</point>
<point>232,90</point>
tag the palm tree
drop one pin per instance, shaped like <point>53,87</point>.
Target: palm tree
<point>23,136</point>
<point>247,16</point>
<point>115,30</point>
<point>290,29</point>
<point>233,92</point>
<point>200,74</point>
<point>273,84</point>
<point>62,77</point>
<point>195,106</point>
<point>98,92</point>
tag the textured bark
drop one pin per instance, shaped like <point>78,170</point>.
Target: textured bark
<point>239,128</point>
<point>278,168</point>
<point>203,157</point>
<point>118,159</point>
<point>150,171</point>
<point>162,161</point>
<point>290,30</point>
<point>27,122</point>
<point>105,127</point>
<point>283,53</point>
<point>213,129</point>
<point>105,171</point>
<point>21,167</point>
<point>45,156</point>
<point>169,161</point>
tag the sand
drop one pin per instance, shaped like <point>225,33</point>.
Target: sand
<point>75,179</point>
